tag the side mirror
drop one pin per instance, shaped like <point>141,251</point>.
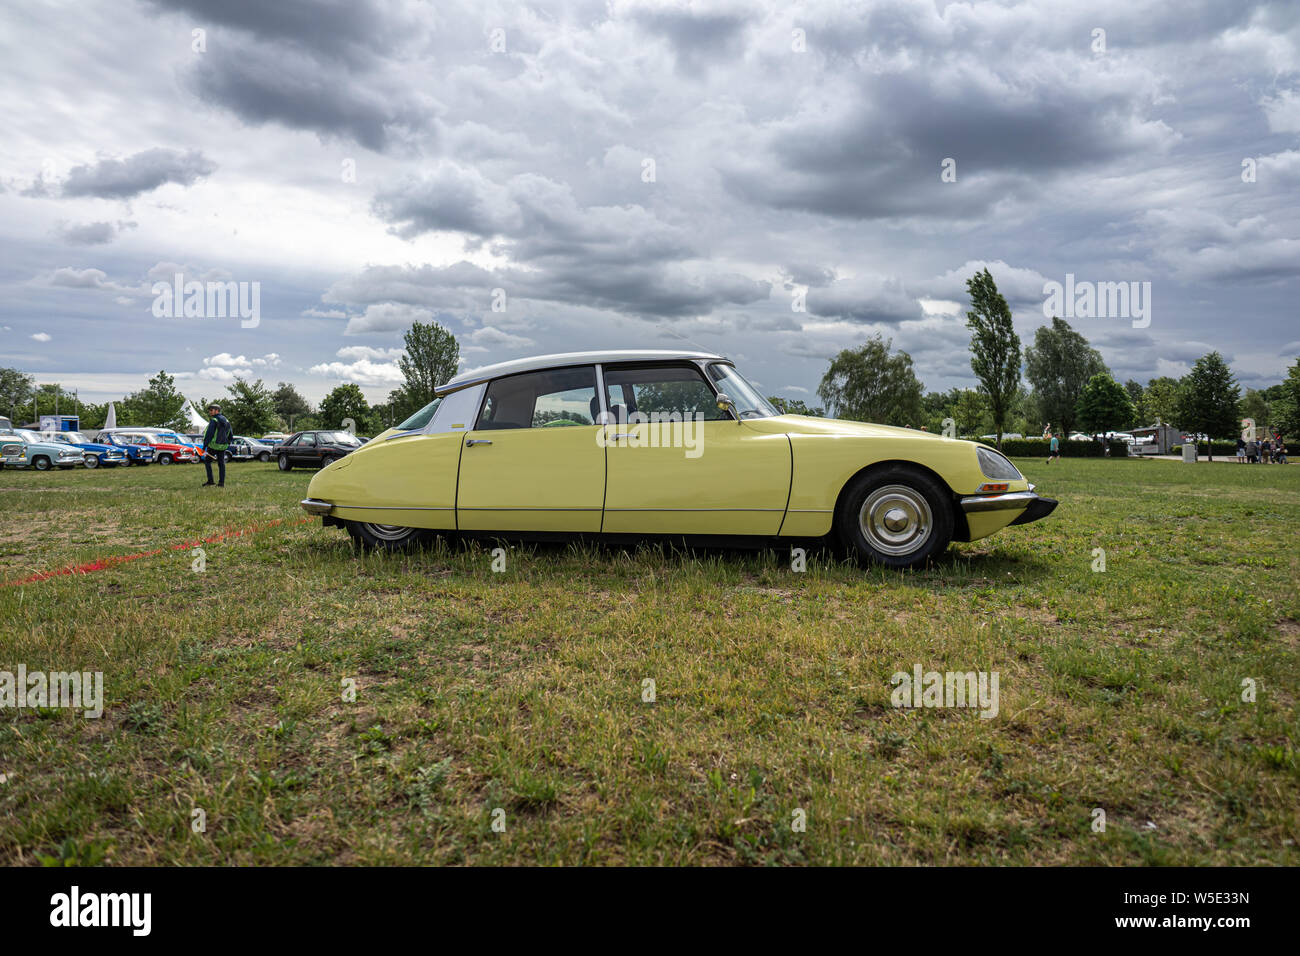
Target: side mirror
<point>725,403</point>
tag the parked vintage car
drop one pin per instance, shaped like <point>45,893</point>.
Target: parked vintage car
<point>20,448</point>
<point>97,453</point>
<point>165,451</point>
<point>586,443</point>
<point>137,453</point>
<point>244,448</point>
<point>315,449</point>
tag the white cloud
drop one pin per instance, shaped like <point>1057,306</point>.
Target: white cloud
<point>41,336</point>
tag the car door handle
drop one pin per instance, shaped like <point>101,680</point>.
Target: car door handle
<point>477,441</point>
<point>623,435</point>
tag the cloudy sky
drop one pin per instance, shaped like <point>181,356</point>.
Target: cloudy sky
<point>775,181</point>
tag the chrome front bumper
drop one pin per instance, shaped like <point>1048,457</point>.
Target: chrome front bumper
<point>1031,505</point>
<point>314,506</point>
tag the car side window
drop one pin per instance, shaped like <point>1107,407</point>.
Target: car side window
<point>554,398</point>
<point>660,389</point>
<point>308,440</point>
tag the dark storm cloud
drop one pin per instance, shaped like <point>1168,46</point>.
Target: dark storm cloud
<point>698,39</point>
<point>353,30</point>
<point>327,67</point>
<point>140,173</point>
<point>92,233</point>
<point>261,83</point>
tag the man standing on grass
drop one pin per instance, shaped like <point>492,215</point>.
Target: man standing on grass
<point>215,442</point>
<point>1054,448</point>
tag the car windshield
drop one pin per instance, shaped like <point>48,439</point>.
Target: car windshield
<point>420,418</point>
<point>27,436</point>
<point>337,438</point>
<point>75,438</point>
<point>749,402</point>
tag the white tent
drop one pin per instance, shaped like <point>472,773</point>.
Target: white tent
<point>111,420</point>
<point>196,420</point>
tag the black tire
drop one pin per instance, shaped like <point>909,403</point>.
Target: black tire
<point>41,463</point>
<point>386,537</point>
<point>328,460</point>
<point>895,516</point>
<point>285,464</point>
<point>92,461</point>
<point>164,459</point>
<point>264,456</point>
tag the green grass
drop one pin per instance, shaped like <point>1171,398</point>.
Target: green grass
<point>522,691</point>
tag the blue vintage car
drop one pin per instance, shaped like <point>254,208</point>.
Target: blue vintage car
<point>97,453</point>
<point>136,453</point>
<point>20,448</point>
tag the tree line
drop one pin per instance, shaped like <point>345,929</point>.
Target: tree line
<point>431,357</point>
<point>1069,388</point>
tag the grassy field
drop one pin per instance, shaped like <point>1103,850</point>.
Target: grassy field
<point>522,691</point>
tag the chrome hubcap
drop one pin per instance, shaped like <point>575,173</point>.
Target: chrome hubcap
<point>896,519</point>
<point>388,532</point>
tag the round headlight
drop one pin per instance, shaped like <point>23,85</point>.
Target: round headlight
<point>994,464</point>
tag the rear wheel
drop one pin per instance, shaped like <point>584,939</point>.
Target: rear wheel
<point>388,537</point>
<point>284,463</point>
<point>264,456</point>
<point>895,516</point>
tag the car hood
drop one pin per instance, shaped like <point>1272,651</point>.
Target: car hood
<point>806,425</point>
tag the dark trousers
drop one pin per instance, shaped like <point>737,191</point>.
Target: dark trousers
<point>221,465</point>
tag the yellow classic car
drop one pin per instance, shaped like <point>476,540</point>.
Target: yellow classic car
<point>653,443</point>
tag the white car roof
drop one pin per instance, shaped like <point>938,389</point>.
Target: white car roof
<point>561,359</point>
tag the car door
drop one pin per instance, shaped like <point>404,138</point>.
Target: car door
<point>677,464</point>
<point>304,449</point>
<point>534,461</point>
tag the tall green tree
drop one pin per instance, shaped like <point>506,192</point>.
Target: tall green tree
<point>1209,400</point>
<point>432,358</point>
<point>1161,398</point>
<point>344,402</point>
<point>1137,395</point>
<point>15,392</point>
<point>1285,409</point>
<point>289,403</point>
<point>1104,405</point>
<point>1058,365</point>
<point>869,384</point>
<point>995,347</point>
<point>159,405</point>
<point>1255,406</point>
<point>250,409</point>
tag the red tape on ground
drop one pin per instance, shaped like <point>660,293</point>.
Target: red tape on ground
<point>102,563</point>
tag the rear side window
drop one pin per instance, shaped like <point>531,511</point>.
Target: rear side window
<point>555,398</point>
<point>660,390</point>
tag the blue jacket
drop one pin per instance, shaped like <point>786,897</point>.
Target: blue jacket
<point>217,436</point>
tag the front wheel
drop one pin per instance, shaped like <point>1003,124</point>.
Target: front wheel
<point>897,516</point>
<point>264,456</point>
<point>165,459</point>
<point>284,464</point>
<point>388,537</point>
<point>327,461</point>
<point>41,463</point>
<point>92,461</point>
